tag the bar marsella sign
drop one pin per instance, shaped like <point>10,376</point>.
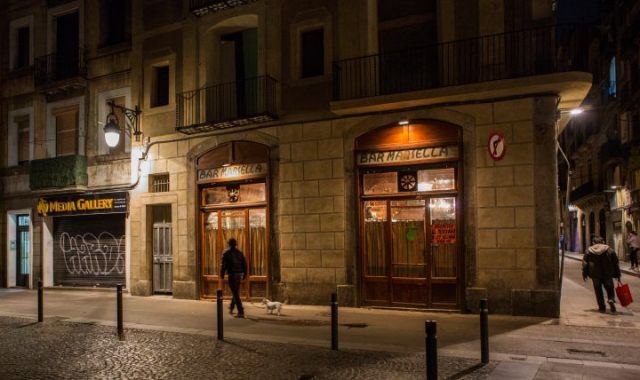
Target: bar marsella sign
<point>83,204</point>
<point>232,172</point>
<point>408,155</point>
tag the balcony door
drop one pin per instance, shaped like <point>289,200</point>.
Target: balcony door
<point>67,45</point>
<point>236,93</point>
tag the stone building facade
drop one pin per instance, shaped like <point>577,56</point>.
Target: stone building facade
<point>344,151</point>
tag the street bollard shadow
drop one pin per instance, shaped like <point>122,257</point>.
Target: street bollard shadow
<point>466,371</point>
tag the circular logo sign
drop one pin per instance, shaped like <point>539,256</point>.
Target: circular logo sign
<point>496,146</point>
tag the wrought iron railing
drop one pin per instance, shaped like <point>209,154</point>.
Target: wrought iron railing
<point>202,7</point>
<point>582,191</point>
<point>59,66</point>
<point>487,58</point>
<point>251,100</point>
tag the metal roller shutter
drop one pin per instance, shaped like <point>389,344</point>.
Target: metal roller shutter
<point>89,250</point>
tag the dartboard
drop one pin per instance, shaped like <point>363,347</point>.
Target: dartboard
<point>408,182</point>
<point>233,193</point>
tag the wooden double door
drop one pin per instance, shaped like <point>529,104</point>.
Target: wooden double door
<point>248,225</point>
<point>410,251</point>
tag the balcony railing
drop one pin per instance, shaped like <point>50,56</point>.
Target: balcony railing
<point>582,191</point>
<point>202,7</point>
<point>60,66</point>
<point>252,100</point>
<point>487,58</point>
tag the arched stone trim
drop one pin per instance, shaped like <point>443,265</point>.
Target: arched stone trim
<point>370,123</point>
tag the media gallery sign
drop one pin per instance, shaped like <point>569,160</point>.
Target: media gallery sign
<point>83,204</point>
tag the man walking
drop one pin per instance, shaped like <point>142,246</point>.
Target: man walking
<point>601,264</point>
<point>234,263</point>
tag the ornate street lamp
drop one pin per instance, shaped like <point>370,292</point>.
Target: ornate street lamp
<point>112,127</point>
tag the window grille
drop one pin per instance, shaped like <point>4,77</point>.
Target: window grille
<point>159,183</point>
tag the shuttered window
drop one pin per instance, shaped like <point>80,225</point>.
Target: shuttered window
<point>66,130</point>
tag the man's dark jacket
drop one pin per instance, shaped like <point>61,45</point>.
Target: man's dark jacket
<point>233,262</point>
<point>600,262</point>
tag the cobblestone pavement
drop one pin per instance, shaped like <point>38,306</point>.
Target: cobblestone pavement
<point>61,350</point>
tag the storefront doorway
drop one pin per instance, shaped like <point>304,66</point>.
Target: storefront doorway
<point>233,188</point>
<point>23,247</point>
<point>409,216</point>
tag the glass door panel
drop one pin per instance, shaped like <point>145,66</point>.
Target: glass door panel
<point>443,237</point>
<point>408,238</point>
<point>212,252</point>
<point>233,226</point>
<point>258,238</point>
<point>375,242</point>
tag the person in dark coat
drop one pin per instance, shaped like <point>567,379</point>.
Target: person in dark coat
<point>234,263</point>
<point>600,263</point>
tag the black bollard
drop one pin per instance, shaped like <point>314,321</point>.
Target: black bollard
<point>220,307</point>
<point>484,330</point>
<point>40,302</point>
<point>119,311</point>
<point>334,321</point>
<point>431,345</point>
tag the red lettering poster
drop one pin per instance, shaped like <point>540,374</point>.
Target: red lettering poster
<point>443,233</point>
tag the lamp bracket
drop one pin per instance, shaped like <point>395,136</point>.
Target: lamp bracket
<point>133,127</point>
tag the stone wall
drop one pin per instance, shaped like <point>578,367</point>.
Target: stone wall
<point>311,216</point>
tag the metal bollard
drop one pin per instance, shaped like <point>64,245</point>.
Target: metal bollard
<point>431,345</point>
<point>119,311</point>
<point>220,308</point>
<point>40,302</point>
<point>334,321</point>
<point>484,330</point>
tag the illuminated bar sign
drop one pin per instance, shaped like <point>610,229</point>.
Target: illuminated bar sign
<point>83,204</point>
<point>408,155</point>
<point>233,172</point>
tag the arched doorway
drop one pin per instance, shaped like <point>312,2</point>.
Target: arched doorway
<point>408,186</point>
<point>602,224</point>
<point>233,193</point>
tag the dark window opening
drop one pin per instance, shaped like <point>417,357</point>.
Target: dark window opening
<point>116,21</point>
<point>22,47</point>
<point>161,86</point>
<point>312,53</point>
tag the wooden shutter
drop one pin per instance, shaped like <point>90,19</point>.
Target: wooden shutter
<point>66,130</point>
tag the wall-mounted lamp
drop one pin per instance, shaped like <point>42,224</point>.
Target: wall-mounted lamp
<point>112,127</point>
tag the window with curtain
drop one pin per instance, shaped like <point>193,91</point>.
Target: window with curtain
<point>443,236</point>
<point>66,120</point>
<point>258,236</point>
<point>210,245</point>
<point>407,237</point>
<point>375,245</point>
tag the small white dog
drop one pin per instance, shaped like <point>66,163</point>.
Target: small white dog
<point>272,306</point>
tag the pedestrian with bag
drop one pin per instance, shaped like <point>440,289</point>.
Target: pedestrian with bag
<point>634,247</point>
<point>600,263</point>
<point>234,263</point>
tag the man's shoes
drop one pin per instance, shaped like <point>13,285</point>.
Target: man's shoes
<point>240,315</point>
<point>231,311</point>
<point>602,310</point>
<point>612,306</point>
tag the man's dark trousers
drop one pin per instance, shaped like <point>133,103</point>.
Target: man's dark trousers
<point>234,284</point>
<point>608,286</point>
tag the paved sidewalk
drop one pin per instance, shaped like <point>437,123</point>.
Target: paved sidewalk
<point>63,350</point>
